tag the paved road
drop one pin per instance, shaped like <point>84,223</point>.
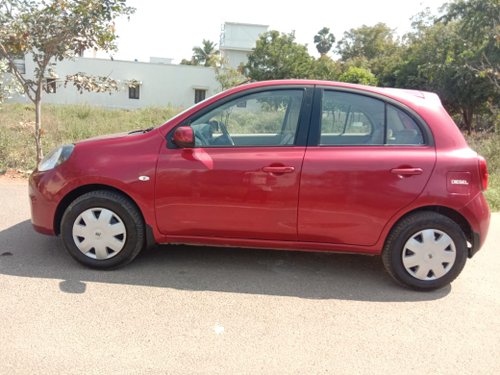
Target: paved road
<point>203,310</point>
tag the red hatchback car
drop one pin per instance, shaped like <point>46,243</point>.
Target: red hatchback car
<point>295,165</point>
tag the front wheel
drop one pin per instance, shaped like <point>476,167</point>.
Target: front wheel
<point>103,229</point>
<point>425,251</point>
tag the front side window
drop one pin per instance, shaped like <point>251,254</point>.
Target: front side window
<point>263,119</point>
<point>352,119</point>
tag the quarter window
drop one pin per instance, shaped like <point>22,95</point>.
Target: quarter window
<point>401,128</point>
<point>263,119</point>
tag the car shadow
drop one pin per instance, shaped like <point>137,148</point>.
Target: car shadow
<point>25,253</point>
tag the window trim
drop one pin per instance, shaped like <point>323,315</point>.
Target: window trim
<point>315,126</point>
<point>302,133</point>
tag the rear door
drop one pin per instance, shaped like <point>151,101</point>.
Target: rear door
<point>367,159</point>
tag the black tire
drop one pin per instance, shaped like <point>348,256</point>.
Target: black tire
<point>128,217</point>
<point>410,228</point>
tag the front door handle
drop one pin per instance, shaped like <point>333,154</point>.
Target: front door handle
<point>278,169</point>
<point>407,171</point>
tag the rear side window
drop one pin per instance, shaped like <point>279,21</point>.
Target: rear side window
<point>352,119</point>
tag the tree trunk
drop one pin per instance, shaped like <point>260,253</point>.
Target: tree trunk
<point>38,128</point>
<point>467,114</point>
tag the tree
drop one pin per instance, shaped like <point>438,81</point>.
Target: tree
<point>278,56</point>
<point>479,23</point>
<point>229,77</point>
<point>324,40</point>
<point>8,84</point>
<point>439,58</point>
<point>374,48</point>
<point>54,30</point>
<point>354,74</point>
<point>205,55</point>
<point>325,68</point>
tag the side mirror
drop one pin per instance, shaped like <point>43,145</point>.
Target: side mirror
<point>184,137</point>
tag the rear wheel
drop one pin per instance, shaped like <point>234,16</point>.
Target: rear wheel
<point>425,251</point>
<point>103,229</point>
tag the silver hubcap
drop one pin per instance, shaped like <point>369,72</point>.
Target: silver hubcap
<point>99,233</point>
<point>429,254</point>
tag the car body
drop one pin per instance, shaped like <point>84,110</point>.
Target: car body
<point>292,164</point>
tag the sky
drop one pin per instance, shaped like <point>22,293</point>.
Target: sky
<point>161,29</point>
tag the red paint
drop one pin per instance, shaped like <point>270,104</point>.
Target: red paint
<point>328,198</point>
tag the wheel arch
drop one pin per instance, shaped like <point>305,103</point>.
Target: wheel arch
<point>79,191</point>
<point>445,211</point>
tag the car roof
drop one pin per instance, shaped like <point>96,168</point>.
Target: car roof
<point>406,95</point>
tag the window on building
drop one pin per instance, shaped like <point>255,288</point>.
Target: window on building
<point>134,92</point>
<point>20,63</point>
<point>50,85</point>
<point>199,95</point>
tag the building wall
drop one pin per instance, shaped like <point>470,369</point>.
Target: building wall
<point>161,84</point>
<point>238,40</point>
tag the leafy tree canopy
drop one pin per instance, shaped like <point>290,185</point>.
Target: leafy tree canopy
<point>278,56</point>
<point>324,40</point>
<point>53,30</point>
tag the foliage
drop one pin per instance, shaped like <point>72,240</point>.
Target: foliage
<point>374,48</point>
<point>229,77</point>
<point>206,55</point>
<point>278,56</point>
<point>488,146</point>
<point>325,68</point>
<point>324,40</point>
<point>53,30</point>
<point>8,84</point>
<point>440,57</point>
<point>479,22</point>
<point>362,76</point>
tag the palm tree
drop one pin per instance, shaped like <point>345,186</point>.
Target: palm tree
<point>324,40</point>
<point>205,55</point>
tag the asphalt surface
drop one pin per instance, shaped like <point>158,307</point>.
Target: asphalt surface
<point>219,311</point>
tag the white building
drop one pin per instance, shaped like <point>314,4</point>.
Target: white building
<point>237,40</point>
<point>160,83</point>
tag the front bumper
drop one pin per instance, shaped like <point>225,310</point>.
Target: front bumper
<point>43,204</point>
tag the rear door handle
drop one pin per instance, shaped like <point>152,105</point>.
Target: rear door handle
<point>278,169</point>
<point>407,171</point>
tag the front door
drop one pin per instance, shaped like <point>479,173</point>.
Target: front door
<point>241,180</point>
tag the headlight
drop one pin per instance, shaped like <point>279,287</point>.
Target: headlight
<point>55,157</point>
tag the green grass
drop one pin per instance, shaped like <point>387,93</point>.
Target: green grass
<point>65,124</point>
<point>70,123</point>
<point>488,146</point>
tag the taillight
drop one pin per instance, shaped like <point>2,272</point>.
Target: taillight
<point>483,172</point>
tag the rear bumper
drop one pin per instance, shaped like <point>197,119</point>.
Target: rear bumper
<point>477,213</point>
